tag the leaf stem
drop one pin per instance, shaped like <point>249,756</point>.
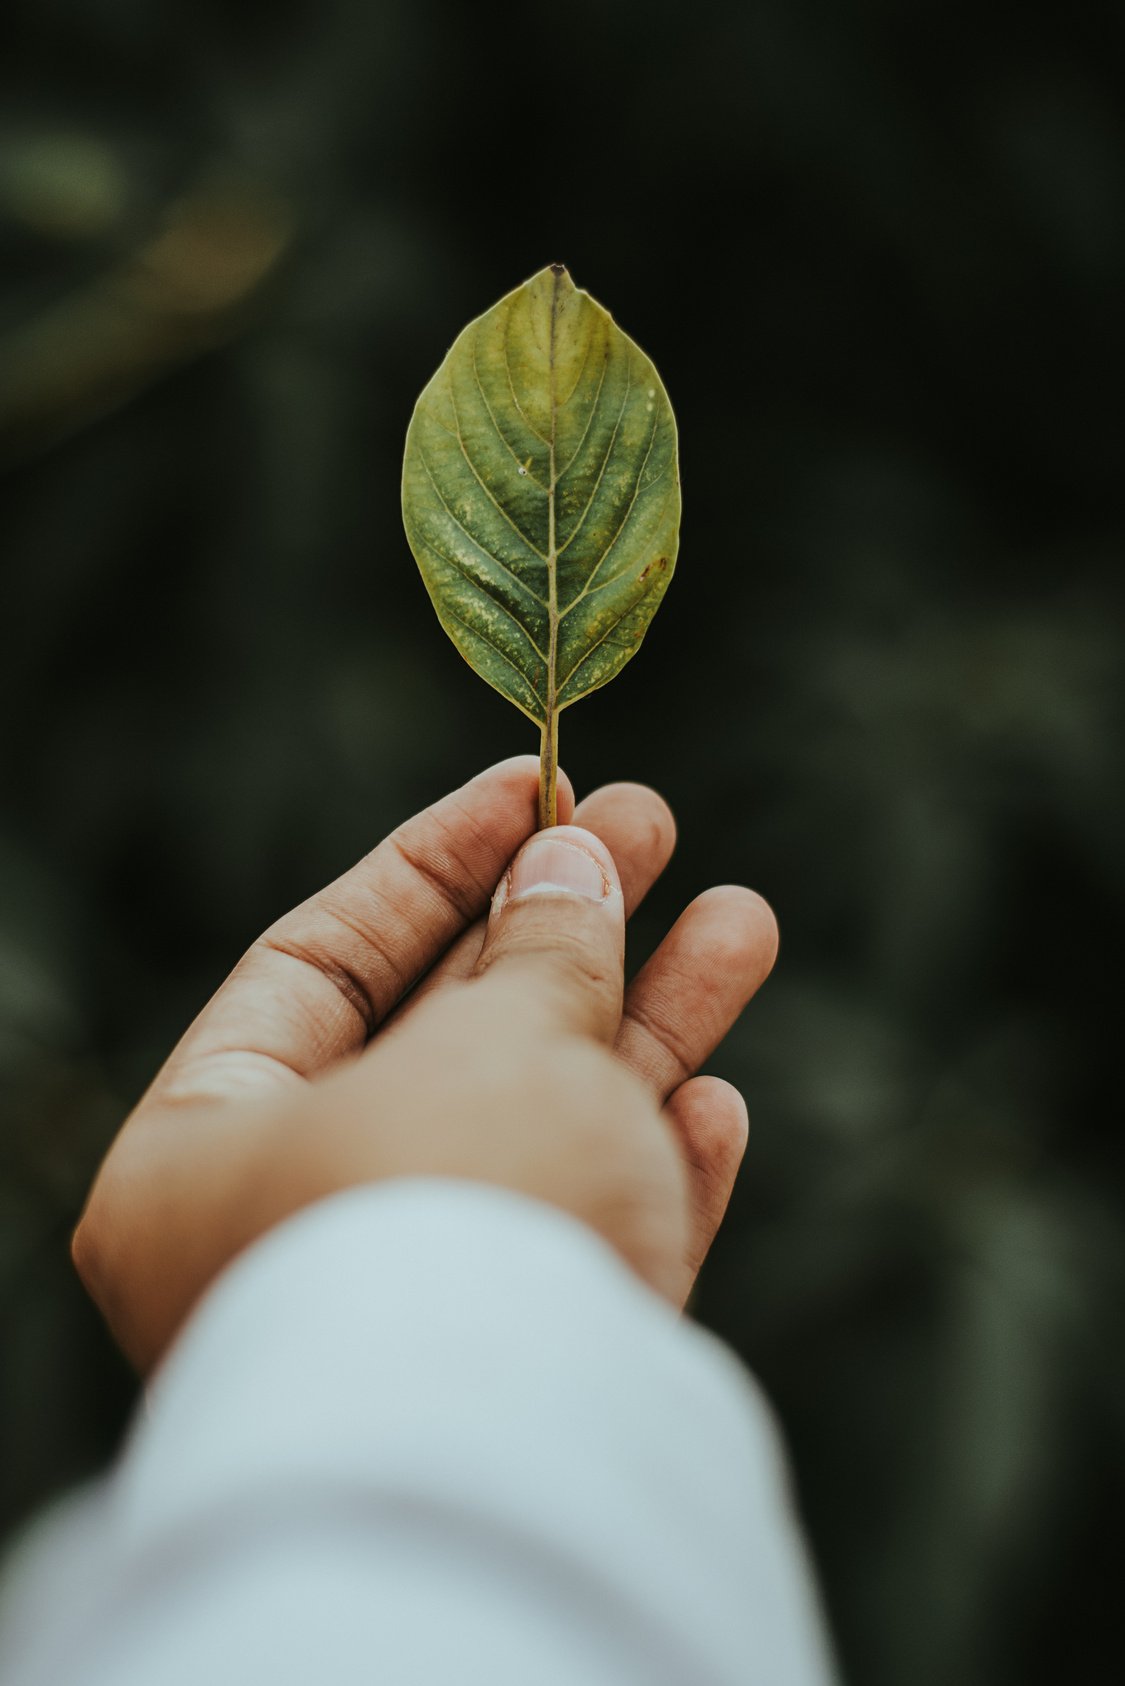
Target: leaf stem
<point>549,752</point>
<point>549,772</point>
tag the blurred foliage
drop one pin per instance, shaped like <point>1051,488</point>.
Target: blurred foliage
<point>235,242</point>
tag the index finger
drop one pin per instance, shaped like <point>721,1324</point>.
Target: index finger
<point>315,986</point>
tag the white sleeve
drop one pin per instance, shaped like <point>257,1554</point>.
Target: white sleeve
<point>428,1432</point>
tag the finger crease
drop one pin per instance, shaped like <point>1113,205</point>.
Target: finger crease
<point>664,1039</point>
<point>464,902</point>
<point>341,976</point>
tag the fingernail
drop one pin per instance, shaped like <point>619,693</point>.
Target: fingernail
<point>548,866</point>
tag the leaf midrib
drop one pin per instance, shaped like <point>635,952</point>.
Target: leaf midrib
<point>552,551</point>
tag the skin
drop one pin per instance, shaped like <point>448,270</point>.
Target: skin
<point>391,1026</point>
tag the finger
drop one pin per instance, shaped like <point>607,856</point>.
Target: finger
<point>686,997</point>
<point>556,935</point>
<point>708,1117</point>
<point>637,827</point>
<point>313,988</point>
<point>639,830</point>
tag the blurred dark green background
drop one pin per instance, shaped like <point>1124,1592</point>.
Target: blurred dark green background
<point>877,253</point>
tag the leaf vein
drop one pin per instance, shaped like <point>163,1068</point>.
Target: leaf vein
<point>581,372</point>
<point>475,542</point>
<point>598,642</point>
<point>605,463</point>
<point>507,660</point>
<point>500,434</point>
<point>483,589</point>
<point>511,384</point>
<point>623,523</point>
<point>499,508</point>
<point>592,590</point>
<point>590,420</point>
<point>483,548</point>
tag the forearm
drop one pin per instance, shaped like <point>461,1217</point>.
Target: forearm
<point>439,1428</point>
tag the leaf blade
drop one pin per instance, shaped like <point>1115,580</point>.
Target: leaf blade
<point>541,495</point>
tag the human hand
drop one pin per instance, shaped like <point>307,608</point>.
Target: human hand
<point>384,1028</point>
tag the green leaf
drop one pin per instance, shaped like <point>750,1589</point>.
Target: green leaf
<point>541,498</point>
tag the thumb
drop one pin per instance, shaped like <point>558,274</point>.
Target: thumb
<point>557,930</point>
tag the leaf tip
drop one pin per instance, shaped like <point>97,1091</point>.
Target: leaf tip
<point>558,269</point>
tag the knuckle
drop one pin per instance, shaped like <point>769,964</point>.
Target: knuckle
<point>574,973</point>
<point>94,1248</point>
<point>659,1030</point>
<point>644,1209</point>
<point>325,952</point>
<point>433,854</point>
<point>565,969</point>
<point>616,1114</point>
<point>85,1255</point>
<point>589,1080</point>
